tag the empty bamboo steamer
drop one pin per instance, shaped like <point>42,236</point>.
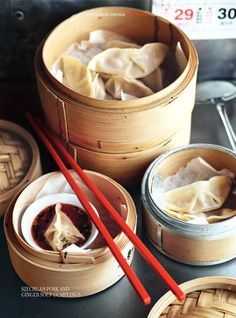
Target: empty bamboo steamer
<point>125,134</point>
<point>208,297</point>
<point>81,273</point>
<point>19,161</point>
<point>198,244</point>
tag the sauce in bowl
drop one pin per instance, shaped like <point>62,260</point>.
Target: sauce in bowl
<point>42,221</point>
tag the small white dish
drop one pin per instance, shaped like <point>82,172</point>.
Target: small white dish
<point>39,205</point>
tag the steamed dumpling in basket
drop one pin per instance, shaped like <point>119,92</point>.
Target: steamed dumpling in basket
<point>130,62</point>
<point>200,196</point>
<point>111,66</point>
<point>197,193</point>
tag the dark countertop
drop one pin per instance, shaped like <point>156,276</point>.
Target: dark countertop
<point>120,300</point>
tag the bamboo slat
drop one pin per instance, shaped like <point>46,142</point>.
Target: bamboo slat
<point>208,297</point>
<point>19,161</point>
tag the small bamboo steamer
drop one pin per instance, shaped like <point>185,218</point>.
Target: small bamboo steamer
<point>208,297</point>
<point>115,127</point>
<point>115,194</point>
<point>62,280</point>
<point>189,243</point>
<point>19,161</point>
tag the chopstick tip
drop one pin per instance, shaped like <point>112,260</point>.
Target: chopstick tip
<point>147,300</point>
<point>181,296</point>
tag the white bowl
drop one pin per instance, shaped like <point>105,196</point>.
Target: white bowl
<point>37,206</point>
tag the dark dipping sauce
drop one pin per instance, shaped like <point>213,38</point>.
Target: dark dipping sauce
<point>77,215</point>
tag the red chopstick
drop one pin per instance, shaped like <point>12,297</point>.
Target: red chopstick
<point>119,220</point>
<point>98,223</point>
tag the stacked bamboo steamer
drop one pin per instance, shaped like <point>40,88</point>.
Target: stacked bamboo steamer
<point>19,161</point>
<point>197,244</point>
<point>117,138</point>
<point>82,273</point>
<point>208,297</point>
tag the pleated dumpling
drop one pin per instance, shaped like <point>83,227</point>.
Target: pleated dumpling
<point>104,36</point>
<point>130,62</point>
<point>121,44</point>
<point>155,80</point>
<point>79,78</point>
<point>62,232</point>
<point>133,87</point>
<point>220,215</point>
<point>200,196</point>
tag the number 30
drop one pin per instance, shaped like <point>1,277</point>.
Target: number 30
<point>223,13</point>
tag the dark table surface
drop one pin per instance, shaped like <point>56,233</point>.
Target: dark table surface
<point>120,300</point>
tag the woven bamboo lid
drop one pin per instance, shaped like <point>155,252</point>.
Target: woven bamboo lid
<point>19,160</point>
<point>208,297</point>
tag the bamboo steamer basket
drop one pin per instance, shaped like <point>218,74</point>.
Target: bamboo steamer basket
<point>58,279</point>
<point>189,243</point>
<point>71,275</point>
<point>208,297</point>
<point>127,168</point>
<point>114,128</point>
<point>19,161</point>
<point>98,253</point>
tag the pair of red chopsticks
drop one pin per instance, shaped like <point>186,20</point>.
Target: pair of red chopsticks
<point>50,142</point>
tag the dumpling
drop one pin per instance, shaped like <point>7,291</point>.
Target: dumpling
<point>130,62</point>
<point>133,87</point>
<point>77,76</point>
<point>121,44</point>
<point>155,80</point>
<point>200,196</point>
<point>220,215</point>
<point>61,232</point>
<point>125,96</point>
<point>104,36</point>
<point>99,87</point>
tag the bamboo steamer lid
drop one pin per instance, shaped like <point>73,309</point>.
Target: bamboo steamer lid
<point>208,297</point>
<point>195,244</point>
<point>114,128</point>
<point>116,195</point>
<point>19,161</point>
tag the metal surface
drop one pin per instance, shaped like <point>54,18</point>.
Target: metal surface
<point>218,93</point>
<point>119,300</point>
